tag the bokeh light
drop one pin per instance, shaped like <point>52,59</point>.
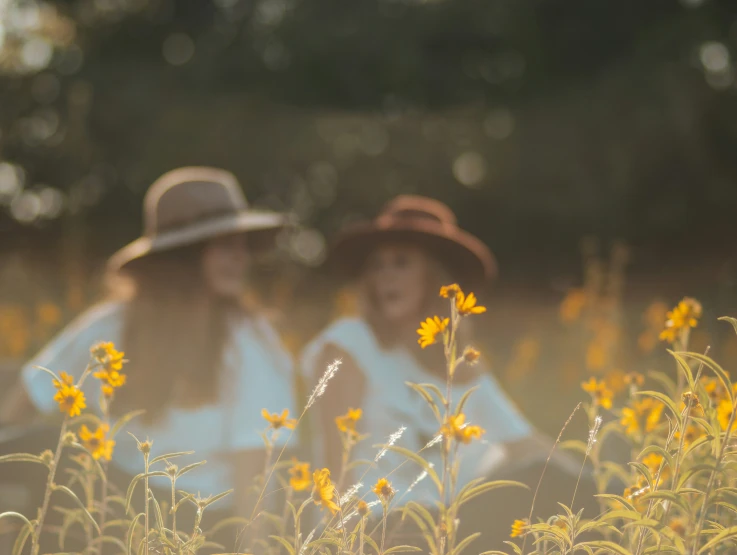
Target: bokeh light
<point>178,49</point>
<point>470,169</point>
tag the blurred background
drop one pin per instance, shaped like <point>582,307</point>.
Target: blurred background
<point>592,145</point>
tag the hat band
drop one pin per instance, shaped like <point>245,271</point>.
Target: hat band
<point>154,228</point>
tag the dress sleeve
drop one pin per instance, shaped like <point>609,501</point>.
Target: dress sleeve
<point>263,379</point>
<point>69,352</point>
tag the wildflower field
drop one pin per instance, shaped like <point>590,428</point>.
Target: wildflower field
<point>676,494</point>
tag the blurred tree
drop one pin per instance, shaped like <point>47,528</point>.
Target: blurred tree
<point>532,118</point>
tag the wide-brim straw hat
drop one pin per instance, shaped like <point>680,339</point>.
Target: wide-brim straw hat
<point>416,219</point>
<point>190,205</point>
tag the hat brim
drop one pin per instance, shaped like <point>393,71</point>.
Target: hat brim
<point>261,228</point>
<point>466,257</point>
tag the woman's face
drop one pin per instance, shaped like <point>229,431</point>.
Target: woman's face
<point>224,265</point>
<point>397,274</point>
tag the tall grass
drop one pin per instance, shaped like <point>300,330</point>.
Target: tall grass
<point>681,494</point>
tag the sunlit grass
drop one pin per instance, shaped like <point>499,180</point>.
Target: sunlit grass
<point>679,489</point>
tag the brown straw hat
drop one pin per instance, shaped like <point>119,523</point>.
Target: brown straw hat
<point>189,205</point>
<point>420,220</point>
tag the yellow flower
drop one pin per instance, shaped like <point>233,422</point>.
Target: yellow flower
<point>678,525</point>
<point>300,476</point>
<point>600,393</point>
<point>596,355</point>
<point>430,328</point>
<point>383,489</point>
<point>644,414</point>
<point>724,413</point>
<point>464,304</point>
<point>96,442</point>
<point>572,305</point>
<point>347,422</point>
<point>323,491</point>
<point>693,433</point>
<point>71,400</point>
<point>66,380</point>
<point>107,356</point>
<point>653,462</point>
<point>467,304</point>
<point>277,421</point>
<point>683,317</point>
<point>48,314</point>
<point>446,291</point>
<point>634,378</point>
<point>111,380</point>
<point>518,528</point>
<point>456,428</point>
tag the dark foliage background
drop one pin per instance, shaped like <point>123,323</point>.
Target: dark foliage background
<point>540,122</point>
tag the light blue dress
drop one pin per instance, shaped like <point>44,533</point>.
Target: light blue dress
<point>258,373</point>
<point>389,403</point>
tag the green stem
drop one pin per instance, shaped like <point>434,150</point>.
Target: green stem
<point>49,487</point>
<point>145,511</point>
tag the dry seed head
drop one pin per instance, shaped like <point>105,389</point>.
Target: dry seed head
<point>471,355</point>
<point>47,457</point>
<point>323,383</point>
<point>391,441</point>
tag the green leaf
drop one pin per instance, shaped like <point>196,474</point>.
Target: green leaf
<point>157,511</point>
<point>573,445</point>
<point>123,420</point>
<point>413,514</point>
<point>517,548</point>
<point>288,546</point>
<point>601,544</point>
<point>618,498</point>
<point>726,534</point>
<point>467,495</point>
<point>95,462</point>
<point>70,518</point>
<point>729,319</point>
<point>189,467</point>
<point>668,384</point>
<point>428,399</point>
<point>402,549</point>
<point>420,461</point>
<point>22,457</point>
<point>170,456</point>
<point>667,401</point>
<point>718,370</point>
<point>464,398</point>
<point>218,497</point>
<point>465,543</point>
<point>76,499</point>
<point>132,486</point>
<point>21,539</point>
<point>422,512</point>
<point>131,529</point>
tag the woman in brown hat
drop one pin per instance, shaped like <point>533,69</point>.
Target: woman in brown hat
<point>400,260</point>
<point>201,364</point>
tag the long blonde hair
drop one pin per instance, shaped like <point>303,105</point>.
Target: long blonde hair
<point>174,334</point>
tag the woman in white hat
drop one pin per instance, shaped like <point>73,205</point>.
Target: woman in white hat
<point>200,363</point>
